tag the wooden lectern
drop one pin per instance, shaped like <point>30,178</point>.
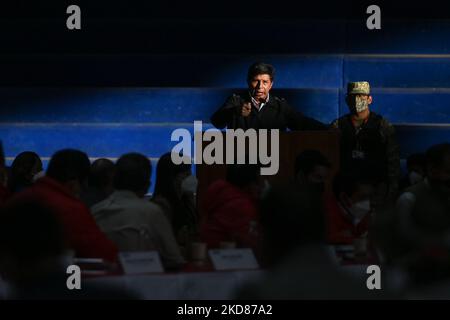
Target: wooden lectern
<point>290,145</point>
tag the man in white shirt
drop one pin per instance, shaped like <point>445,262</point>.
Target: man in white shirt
<point>130,221</point>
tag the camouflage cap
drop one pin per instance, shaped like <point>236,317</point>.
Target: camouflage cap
<point>359,87</point>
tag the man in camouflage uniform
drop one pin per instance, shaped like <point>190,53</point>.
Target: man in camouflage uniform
<point>368,142</point>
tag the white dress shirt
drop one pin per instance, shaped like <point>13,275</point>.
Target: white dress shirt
<point>135,224</point>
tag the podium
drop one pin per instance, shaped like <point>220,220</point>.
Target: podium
<point>290,145</point>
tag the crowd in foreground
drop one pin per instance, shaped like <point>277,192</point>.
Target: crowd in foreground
<point>95,210</point>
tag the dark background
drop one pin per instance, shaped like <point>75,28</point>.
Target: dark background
<point>137,70</point>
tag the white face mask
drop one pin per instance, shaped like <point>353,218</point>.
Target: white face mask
<point>189,184</point>
<point>361,104</point>
<point>415,177</point>
<point>360,209</point>
<point>38,175</point>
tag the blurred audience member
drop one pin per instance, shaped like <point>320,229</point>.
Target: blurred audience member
<point>429,273</point>
<point>368,140</point>
<point>423,209</point>
<point>312,170</point>
<point>33,256</point>
<point>25,169</point>
<point>291,217</point>
<point>300,265</point>
<point>175,192</point>
<point>5,194</point>
<point>100,182</point>
<point>231,208</point>
<point>4,190</point>
<point>60,189</point>
<point>416,170</point>
<point>132,222</point>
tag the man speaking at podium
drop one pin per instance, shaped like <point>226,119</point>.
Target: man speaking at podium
<point>258,109</point>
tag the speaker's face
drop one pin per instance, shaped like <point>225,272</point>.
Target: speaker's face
<point>358,102</point>
<point>260,86</point>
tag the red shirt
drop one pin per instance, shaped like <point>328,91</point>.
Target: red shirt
<point>82,233</point>
<point>340,228</point>
<point>230,213</point>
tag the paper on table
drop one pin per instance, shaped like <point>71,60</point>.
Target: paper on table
<point>233,259</point>
<point>141,262</point>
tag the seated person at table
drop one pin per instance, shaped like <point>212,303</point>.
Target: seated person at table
<point>300,264</point>
<point>33,257</point>
<point>132,222</point>
<point>348,212</point>
<point>175,191</point>
<point>100,182</point>
<point>24,168</point>
<point>312,169</point>
<point>231,208</point>
<point>5,194</point>
<point>416,171</point>
<point>60,189</point>
<point>257,109</point>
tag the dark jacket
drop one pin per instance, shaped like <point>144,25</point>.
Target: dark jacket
<point>276,114</point>
<point>376,145</point>
<point>340,228</point>
<point>311,273</point>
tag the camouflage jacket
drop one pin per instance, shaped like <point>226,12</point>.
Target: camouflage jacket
<point>375,140</point>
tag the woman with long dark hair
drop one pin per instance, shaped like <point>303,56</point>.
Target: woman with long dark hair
<point>175,191</point>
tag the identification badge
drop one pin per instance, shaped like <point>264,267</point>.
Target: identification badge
<point>357,154</point>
